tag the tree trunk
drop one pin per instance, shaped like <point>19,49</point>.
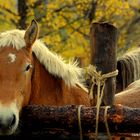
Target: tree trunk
<point>22,11</point>
<point>92,10</point>
<point>103,47</point>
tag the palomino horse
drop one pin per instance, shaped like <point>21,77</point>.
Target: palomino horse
<point>129,97</point>
<point>129,71</point>
<point>128,78</point>
<point>31,74</point>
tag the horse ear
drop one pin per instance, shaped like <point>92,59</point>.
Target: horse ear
<point>31,34</point>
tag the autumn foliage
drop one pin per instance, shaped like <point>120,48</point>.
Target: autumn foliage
<point>65,24</point>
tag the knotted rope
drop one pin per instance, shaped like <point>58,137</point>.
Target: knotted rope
<point>99,79</point>
<point>106,124</point>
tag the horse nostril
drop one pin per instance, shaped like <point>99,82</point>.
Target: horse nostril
<point>9,122</point>
<point>12,121</point>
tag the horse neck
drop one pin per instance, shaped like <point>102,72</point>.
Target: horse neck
<point>46,88</point>
<point>50,90</point>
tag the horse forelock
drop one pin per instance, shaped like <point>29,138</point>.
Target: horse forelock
<point>53,63</point>
<point>14,38</point>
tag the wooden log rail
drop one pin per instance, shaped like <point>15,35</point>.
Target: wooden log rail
<point>37,122</point>
<point>121,119</point>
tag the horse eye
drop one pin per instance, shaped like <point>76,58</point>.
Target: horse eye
<point>28,67</point>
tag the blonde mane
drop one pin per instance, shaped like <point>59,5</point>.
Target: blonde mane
<point>129,66</point>
<point>53,63</point>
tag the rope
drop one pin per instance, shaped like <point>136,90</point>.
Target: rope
<point>99,80</point>
<point>105,118</point>
<point>99,99</point>
<point>106,124</point>
<point>79,121</point>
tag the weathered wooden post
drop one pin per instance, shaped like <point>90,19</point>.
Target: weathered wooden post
<point>103,37</point>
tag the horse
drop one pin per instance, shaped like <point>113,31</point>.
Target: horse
<point>128,79</point>
<point>130,96</point>
<point>31,74</point>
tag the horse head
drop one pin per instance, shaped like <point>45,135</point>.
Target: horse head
<point>16,67</point>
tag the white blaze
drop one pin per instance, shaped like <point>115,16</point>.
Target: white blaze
<point>12,57</point>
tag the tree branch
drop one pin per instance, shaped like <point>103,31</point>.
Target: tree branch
<point>8,10</point>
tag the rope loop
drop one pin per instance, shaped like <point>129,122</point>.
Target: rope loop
<point>79,122</point>
<point>106,124</point>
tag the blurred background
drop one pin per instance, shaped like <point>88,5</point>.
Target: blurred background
<point>65,24</point>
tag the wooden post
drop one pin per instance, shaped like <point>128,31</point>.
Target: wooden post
<point>103,37</point>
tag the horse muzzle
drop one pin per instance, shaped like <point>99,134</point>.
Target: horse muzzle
<point>9,119</point>
<point>7,124</point>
